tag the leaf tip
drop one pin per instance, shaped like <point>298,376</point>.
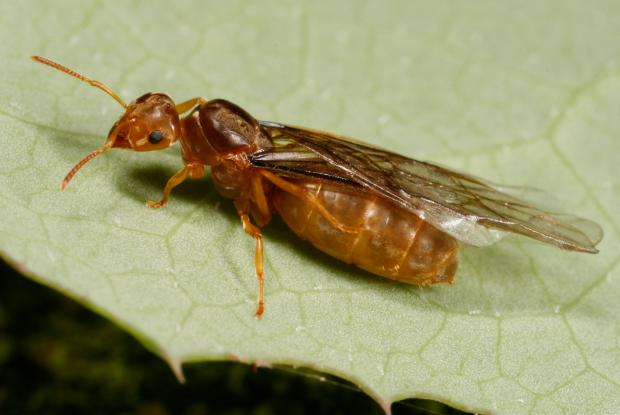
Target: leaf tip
<point>177,367</point>
<point>386,406</point>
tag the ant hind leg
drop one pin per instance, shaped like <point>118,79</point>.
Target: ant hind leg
<point>302,193</point>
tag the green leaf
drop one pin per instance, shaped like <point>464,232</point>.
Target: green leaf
<point>525,94</point>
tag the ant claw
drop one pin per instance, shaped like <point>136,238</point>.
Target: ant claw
<point>154,205</point>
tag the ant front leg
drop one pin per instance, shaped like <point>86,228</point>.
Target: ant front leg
<point>254,232</point>
<point>196,171</point>
<point>189,104</point>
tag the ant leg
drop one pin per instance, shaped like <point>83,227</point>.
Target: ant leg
<point>255,233</point>
<point>262,213</point>
<point>189,104</point>
<point>302,193</point>
<point>180,176</point>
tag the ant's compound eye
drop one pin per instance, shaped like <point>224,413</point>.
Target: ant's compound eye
<point>155,137</point>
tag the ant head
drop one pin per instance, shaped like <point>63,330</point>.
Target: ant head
<point>151,122</point>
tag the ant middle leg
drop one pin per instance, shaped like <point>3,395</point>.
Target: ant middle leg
<point>254,231</point>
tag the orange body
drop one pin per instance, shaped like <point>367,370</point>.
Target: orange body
<point>390,241</point>
<point>388,214</point>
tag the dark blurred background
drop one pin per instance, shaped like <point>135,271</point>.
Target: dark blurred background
<point>56,357</point>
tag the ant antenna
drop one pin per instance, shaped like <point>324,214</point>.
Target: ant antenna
<point>74,74</point>
<point>82,162</point>
<point>111,137</point>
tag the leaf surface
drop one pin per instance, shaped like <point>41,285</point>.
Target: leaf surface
<point>526,95</point>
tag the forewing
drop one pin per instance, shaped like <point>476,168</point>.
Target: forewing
<point>468,208</point>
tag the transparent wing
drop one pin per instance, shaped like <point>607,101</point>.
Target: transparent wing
<point>470,209</point>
